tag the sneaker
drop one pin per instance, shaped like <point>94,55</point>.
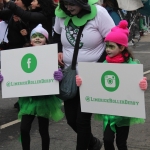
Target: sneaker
<point>97,145</point>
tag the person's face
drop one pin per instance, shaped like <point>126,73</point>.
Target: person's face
<point>34,4</point>
<point>19,3</point>
<point>73,9</point>
<point>38,39</point>
<point>112,49</point>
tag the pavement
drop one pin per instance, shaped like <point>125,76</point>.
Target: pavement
<point>145,38</point>
<point>62,136</point>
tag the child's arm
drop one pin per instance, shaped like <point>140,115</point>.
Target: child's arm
<point>143,83</point>
<point>78,80</point>
<point>58,75</point>
<point>1,77</point>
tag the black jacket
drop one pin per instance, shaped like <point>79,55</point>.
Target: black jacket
<point>16,40</point>
<point>34,17</point>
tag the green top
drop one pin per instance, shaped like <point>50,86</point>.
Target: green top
<point>77,21</point>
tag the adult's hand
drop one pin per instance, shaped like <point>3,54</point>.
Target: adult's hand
<point>6,1</point>
<point>16,18</point>
<point>60,59</point>
<point>24,32</point>
<point>1,5</point>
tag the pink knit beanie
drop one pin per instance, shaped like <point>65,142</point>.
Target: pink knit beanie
<point>119,34</point>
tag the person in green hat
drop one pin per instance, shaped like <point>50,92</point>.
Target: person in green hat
<point>70,16</point>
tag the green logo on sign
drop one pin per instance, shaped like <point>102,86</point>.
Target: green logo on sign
<point>110,81</point>
<point>28,63</point>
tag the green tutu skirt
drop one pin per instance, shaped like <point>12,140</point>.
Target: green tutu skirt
<point>117,120</point>
<point>42,106</point>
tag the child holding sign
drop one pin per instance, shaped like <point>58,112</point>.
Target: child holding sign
<point>43,107</point>
<point>117,52</point>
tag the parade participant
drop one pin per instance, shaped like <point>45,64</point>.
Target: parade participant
<point>43,107</point>
<point>117,52</point>
<point>1,5</point>
<point>14,28</point>
<point>42,12</point>
<point>15,24</point>
<point>70,16</point>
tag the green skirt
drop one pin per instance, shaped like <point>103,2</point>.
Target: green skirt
<point>117,120</point>
<point>42,106</point>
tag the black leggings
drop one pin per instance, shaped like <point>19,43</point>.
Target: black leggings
<point>121,137</point>
<point>80,122</point>
<point>43,129</point>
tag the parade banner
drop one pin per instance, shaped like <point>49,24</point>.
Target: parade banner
<point>112,89</point>
<point>29,71</point>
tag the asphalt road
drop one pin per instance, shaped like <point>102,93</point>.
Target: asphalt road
<point>62,137</point>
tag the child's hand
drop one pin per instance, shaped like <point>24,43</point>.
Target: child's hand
<point>1,78</point>
<point>78,80</point>
<point>143,83</point>
<point>58,75</point>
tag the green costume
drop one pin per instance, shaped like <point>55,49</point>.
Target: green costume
<point>118,120</point>
<point>44,106</point>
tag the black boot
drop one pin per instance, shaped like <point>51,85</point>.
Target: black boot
<point>16,105</point>
<point>96,146</point>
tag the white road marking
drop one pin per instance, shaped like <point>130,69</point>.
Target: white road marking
<point>146,72</point>
<point>17,121</point>
<point>9,124</point>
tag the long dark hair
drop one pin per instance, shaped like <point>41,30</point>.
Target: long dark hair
<point>126,53</point>
<point>47,7</point>
<point>62,6</point>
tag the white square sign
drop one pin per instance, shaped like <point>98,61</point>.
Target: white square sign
<point>112,89</point>
<point>29,71</point>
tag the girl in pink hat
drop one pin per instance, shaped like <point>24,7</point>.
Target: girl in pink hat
<point>117,52</point>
